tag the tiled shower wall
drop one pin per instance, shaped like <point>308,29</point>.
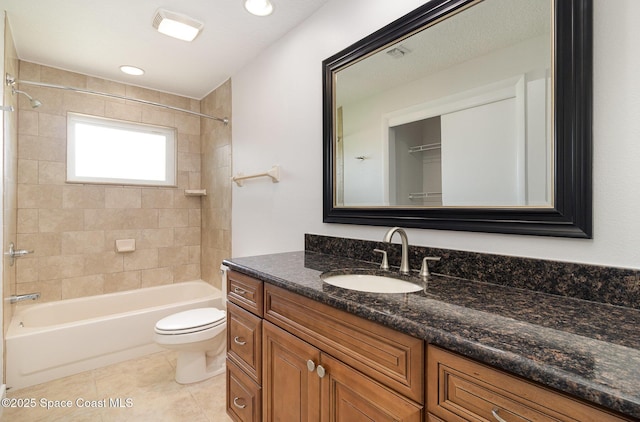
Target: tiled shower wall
<point>216,178</point>
<point>73,227</point>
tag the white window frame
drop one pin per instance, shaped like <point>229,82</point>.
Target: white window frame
<point>171,150</point>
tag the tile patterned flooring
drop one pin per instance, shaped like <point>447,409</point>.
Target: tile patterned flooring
<point>147,382</point>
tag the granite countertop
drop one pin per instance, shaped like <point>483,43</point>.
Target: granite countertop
<point>587,349</point>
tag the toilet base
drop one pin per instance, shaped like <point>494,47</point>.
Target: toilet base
<point>197,366</point>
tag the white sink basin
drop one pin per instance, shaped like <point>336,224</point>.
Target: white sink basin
<point>371,283</point>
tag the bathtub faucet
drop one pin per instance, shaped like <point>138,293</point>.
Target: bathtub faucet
<point>20,298</point>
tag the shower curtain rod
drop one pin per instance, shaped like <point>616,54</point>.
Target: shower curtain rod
<point>122,97</point>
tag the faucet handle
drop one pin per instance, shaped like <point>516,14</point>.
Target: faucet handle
<point>385,263</point>
<point>424,270</point>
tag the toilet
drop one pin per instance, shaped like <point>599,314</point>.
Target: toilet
<point>199,337</point>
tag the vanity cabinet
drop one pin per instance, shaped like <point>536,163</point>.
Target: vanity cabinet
<point>291,358</point>
<point>461,389</point>
<point>244,347</point>
<point>302,383</point>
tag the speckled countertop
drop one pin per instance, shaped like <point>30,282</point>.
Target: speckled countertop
<point>588,349</point>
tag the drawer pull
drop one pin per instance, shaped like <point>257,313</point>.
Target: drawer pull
<point>239,291</point>
<point>239,406</point>
<point>237,340</point>
<point>494,412</point>
<point>321,371</point>
<point>311,366</point>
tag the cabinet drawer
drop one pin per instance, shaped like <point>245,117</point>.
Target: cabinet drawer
<point>394,359</point>
<point>244,397</point>
<point>245,292</point>
<point>463,390</point>
<point>244,341</point>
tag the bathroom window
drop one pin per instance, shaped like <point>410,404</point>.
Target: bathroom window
<point>103,150</point>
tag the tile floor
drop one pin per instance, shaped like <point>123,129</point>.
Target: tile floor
<point>147,382</point>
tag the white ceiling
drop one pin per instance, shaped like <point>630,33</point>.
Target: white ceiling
<point>96,37</point>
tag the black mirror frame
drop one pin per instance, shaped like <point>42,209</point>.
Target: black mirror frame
<point>571,215</point>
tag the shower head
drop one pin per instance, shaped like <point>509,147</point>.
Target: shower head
<point>34,103</point>
<point>11,81</point>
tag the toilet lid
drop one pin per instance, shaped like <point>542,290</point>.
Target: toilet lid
<point>192,320</point>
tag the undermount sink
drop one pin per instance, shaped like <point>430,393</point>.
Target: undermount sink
<point>371,283</point>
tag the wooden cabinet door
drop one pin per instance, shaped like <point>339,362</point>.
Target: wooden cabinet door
<point>350,396</point>
<point>244,341</point>
<point>291,391</point>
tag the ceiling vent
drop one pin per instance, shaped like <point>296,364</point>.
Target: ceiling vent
<point>398,52</point>
<point>177,25</point>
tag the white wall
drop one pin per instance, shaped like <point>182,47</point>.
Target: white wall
<point>277,119</point>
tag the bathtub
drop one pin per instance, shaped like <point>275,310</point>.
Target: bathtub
<point>55,339</point>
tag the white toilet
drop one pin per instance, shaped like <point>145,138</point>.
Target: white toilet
<point>199,336</point>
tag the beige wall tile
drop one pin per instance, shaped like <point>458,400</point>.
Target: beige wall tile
<point>186,272</point>
<point>83,242</point>
<point>156,277</point>
<point>177,255</point>
<point>52,126</point>
<point>188,161</point>
<point>49,290</point>
<point>27,270</point>
<point>85,104</point>
<point>60,266</point>
<point>156,238</point>
<point>126,280</point>
<point>187,124</point>
<point>187,236</point>
<point>62,77</point>
<point>123,197</point>
<point>157,116</point>
<point>37,196</point>
<point>28,220</point>
<point>121,111</point>
<point>28,147</point>
<point>60,220</point>
<point>118,219</point>
<point>42,244</point>
<point>141,260</point>
<point>157,198</point>
<point>173,218</point>
<point>51,173</point>
<point>82,286</point>
<point>103,263</point>
<point>83,196</point>
<point>28,171</point>
<point>194,254</point>
<point>28,122</point>
<point>195,218</point>
<point>181,201</point>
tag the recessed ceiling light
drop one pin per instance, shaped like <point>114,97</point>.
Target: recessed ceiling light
<point>132,70</point>
<point>176,25</point>
<point>259,7</point>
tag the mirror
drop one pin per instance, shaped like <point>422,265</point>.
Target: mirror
<point>464,115</point>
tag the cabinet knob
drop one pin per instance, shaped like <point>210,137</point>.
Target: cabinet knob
<point>310,365</point>
<point>494,412</point>
<point>321,371</point>
<point>238,341</point>
<point>236,404</point>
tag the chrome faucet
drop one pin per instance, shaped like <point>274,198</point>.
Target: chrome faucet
<point>20,298</point>
<point>404,263</point>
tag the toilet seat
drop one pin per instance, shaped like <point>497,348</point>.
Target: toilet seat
<point>191,321</point>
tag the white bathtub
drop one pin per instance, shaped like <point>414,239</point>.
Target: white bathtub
<point>55,339</point>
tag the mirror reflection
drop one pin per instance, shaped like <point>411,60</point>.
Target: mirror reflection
<point>456,115</point>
